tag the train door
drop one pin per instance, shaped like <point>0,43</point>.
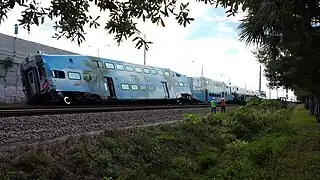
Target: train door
<point>32,86</point>
<point>206,95</point>
<point>165,89</point>
<point>109,85</point>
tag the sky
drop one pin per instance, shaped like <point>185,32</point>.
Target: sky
<point>210,41</point>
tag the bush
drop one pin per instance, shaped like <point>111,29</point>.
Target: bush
<point>198,148</point>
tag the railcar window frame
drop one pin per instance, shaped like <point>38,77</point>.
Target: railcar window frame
<point>86,76</point>
<point>153,88</point>
<point>73,72</point>
<point>153,71</point>
<point>143,89</point>
<point>146,70</point>
<point>111,65</point>
<point>120,65</point>
<point>129,68</point>
<point>160,72</point>
<point>136,69</point>
<point>125,84</point>
<point>134,89</point>
<point>57,71</point>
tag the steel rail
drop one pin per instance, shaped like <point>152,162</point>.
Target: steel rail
<point>70,110</point>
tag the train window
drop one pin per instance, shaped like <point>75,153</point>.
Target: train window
<point>98,64</point>
<point>134,87</point>
<point>146,70</point>
<point>138,69</point>
<point>109,65</point>
<point>42,73</point>
<point>74,75</point>
<point>120,67</point>
<point>166,73</point>
<point>151,88</point>
<point>160,72</point>
<point>129,68</point>
<point>178,75</point>
<point>30,76</point>
<point>86,76</point>
<point>180,84</point>
<point>153,71</point>
<point>185,84</point>
<point>125,86</point>
<point>58,74</point>
<point>143,87</point>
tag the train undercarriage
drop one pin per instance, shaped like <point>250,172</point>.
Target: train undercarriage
<point>81,98</point>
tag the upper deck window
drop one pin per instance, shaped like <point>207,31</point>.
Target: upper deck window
<point>166,73</point>
<point>109,65</point>
<point>120,67</point>
<point>153,71</point>
<point>98,63</point>
<point>160,72</point>
<point>58,74</point>
<point>129,68</point>
<point>146,70</point>
<point>138,69</point>
<point>74,75</point>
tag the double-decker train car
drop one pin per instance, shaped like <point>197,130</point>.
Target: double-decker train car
<point>77,79</point>
<point>204,89</point>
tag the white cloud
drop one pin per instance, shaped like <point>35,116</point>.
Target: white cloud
<point>171,49</point>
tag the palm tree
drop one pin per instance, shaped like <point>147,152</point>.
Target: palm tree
<point>96,74</point>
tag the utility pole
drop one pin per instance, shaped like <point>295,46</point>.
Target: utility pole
<point>260,80</point>
<point>202,70</point>
<point>145,51</point>
<point>15,39</point>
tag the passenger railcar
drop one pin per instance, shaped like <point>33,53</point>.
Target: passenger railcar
<point>82,79</point>
<point>204,89</point>
<point>77,79</point>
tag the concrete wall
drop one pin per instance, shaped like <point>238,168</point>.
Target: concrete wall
<point>10,79</point>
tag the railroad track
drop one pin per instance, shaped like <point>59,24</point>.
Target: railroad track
<point>86,109</point>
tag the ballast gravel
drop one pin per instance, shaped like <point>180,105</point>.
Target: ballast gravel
<point>46,127</point>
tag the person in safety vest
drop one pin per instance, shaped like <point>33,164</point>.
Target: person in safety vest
<point>223,105</point>
<point>213,106</point>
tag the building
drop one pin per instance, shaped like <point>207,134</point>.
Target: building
<point>10,79</point>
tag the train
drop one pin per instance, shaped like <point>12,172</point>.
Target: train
<point>79,79</point>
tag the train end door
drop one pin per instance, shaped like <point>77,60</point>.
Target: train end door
<point>32,83</point>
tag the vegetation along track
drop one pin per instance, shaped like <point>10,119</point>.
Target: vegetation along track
<point>16,131</point>
<point>10,112</point>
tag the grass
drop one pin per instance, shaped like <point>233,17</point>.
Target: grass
<point>257,141</point>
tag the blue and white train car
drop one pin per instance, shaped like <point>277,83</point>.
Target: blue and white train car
<point>204,89</point>
<point>77,78</point>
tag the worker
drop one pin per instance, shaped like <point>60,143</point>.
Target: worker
<point>213,106</point>
<point>223,105</point>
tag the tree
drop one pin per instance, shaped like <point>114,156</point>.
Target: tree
<point>70,16</point>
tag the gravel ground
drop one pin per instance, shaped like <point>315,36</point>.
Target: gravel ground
<point>31,129</point>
